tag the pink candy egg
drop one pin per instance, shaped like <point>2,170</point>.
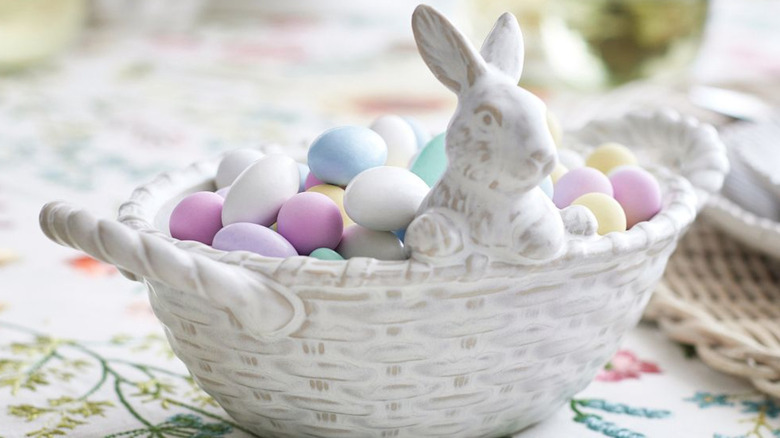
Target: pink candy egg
<point>243,236</point>
<point>310,220</point>
<point>578,182</point>
<point>311,181</point>
<point>638,193</point>
<point>197,217</point>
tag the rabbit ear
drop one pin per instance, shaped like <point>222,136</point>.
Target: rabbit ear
<point>503,47</point>
<point>451,58</point>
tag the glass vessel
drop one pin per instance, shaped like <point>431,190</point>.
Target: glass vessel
<point>33,30</point>
<point>602,43</point>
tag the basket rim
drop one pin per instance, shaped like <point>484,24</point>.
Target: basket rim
<point>678,212</point>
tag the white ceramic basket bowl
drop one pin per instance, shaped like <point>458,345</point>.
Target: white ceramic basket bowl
<point>368,348</point>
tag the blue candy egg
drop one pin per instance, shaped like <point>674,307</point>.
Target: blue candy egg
<point>547,186</point>
<point>339,154</point>
<point>304,171</point>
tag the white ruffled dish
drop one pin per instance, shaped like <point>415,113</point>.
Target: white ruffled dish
<point>758,147</point>
<point>746,209</point>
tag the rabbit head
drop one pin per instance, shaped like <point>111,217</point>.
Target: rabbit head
<point>498,134</point>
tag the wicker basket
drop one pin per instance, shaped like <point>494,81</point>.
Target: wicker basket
<point>367,348</point>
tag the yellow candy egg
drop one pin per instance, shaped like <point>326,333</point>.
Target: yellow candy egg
<point>558,172</point>
<point>609,156</point>
<point>336,194</point>
<point>555,128</point>
<point>608,212</point>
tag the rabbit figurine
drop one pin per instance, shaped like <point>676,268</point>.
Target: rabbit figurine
<point>499,149</point>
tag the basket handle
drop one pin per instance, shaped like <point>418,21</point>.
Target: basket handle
<point>665,137</point>
<point>261,306</point>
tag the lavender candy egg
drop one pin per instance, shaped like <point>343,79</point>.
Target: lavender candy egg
<point>255,238</point>
<point>578,182</point>
<point>359,241</point>
<point>384,198</point>
<point>310,220</point>
<point>638,193</point>
<point>260,191</point>
<point>233,163</point>
<point>197,217</point>
<point>339,154</point>
<point>223,191</point>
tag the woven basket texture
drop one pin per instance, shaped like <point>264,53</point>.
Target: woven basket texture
<point>724,299</point>
<point>459,359</point>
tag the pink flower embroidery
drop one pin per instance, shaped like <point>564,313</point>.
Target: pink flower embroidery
<point>91,267</point>
<point>625,365</point>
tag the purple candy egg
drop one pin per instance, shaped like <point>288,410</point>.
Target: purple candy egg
<point>578,182</point>
<point>311,181</point>
<point>197,217</point>
<point>638,193</point>
<point>310,220</point>
<point>243,236</point>
<point>223,191</point>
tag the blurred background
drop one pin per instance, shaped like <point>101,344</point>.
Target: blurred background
<point>120,89</point>
<point>99,96</point>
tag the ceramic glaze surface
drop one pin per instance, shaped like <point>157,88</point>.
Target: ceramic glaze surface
<point>499,149</point>
<point>483,332</point>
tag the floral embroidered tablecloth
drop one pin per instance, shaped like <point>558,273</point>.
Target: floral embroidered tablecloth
<point>81,353</point>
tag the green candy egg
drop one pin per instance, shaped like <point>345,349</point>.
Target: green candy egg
<point>431,162</point>
<point>325,254</point>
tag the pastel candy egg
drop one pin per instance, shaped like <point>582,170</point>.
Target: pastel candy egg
<point>399,137</point>
<point>303,171</point>
<point>558,172</point>
<point>638,193</point>
<point>336,194</point>
<point>555,128</point>
<point>606,209</point>
<point>311,181</point>
<point>233,163</point>
<point>431,162</point>
<point>570,159</point>
<point>339,154</point>
<point>421,134</point>
<point>359,241</point>
<point>197,217</point>
<point>255,238</point>
<point>260,191</point>
<point>384,198</point>
<point>326,254</point>
<point>578,182</point>
<point>223,191</point>
<point>547,186</point>
<point>310,220</point>
<point>609,156</point>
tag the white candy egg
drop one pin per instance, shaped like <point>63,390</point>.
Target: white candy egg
<point>572,160</point>
<point>259,192</point>
<point>359,241</point>
<point>233,163</point>
<point>384,198</point>
<point>400,138</point>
